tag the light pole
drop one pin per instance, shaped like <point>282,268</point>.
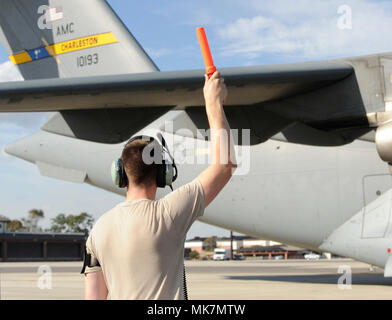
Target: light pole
<point>231,245</point>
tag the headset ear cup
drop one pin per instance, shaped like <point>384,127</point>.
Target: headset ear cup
<point>123,176</point>
<point>119,176</point>
<point>165,173</point>
<point>169,174</point>
<point>115,173</point>
<point>126,182</point>
<point>175,171</point>
<point>161,181</point>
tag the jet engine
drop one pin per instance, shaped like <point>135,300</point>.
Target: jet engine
<point>384,142</point>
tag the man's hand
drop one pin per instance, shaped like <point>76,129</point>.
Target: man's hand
<point>215,91</point>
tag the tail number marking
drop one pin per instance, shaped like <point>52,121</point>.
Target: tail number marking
<point>88,60</point>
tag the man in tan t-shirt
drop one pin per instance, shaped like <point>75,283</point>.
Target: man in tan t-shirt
<point>139,244</point>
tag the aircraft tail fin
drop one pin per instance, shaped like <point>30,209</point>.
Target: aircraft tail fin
<point>69,38</point>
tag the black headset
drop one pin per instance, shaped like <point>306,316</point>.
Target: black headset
<point>166,168</point>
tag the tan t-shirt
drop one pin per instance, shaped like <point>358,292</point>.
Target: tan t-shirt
<point>140,244</point>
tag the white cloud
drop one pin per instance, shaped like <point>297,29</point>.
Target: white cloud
<point>157,53</point>
<point>308,29</point>
<point>9,72</point>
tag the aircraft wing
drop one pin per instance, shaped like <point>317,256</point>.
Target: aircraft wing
<point>247,86</point>
<point>266,99</point>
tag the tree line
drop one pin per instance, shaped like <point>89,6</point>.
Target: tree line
<point>62,223</point>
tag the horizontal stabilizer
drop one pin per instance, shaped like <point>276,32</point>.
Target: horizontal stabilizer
<point>103,125</point>
<point>61,173</point>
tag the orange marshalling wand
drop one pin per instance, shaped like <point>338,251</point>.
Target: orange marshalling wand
<point>205,49</point>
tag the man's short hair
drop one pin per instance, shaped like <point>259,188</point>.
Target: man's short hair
<point>137,170</point>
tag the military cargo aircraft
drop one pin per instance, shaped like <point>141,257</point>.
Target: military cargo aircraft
<point>317,154</point>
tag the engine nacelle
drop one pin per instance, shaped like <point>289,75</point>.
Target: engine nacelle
<point>384,142</point>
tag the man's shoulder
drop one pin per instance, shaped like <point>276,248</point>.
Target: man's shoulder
<point>106,217</point>
<point>185,196</point>
<point>191,188</point>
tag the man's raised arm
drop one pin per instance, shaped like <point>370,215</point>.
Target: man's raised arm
<point>220,170</point>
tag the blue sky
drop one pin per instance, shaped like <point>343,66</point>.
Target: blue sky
<point>240,33</point>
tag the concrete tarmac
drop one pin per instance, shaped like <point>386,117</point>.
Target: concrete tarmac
<point>250,279</point>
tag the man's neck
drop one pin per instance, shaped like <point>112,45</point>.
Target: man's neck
<point>141,192</point>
